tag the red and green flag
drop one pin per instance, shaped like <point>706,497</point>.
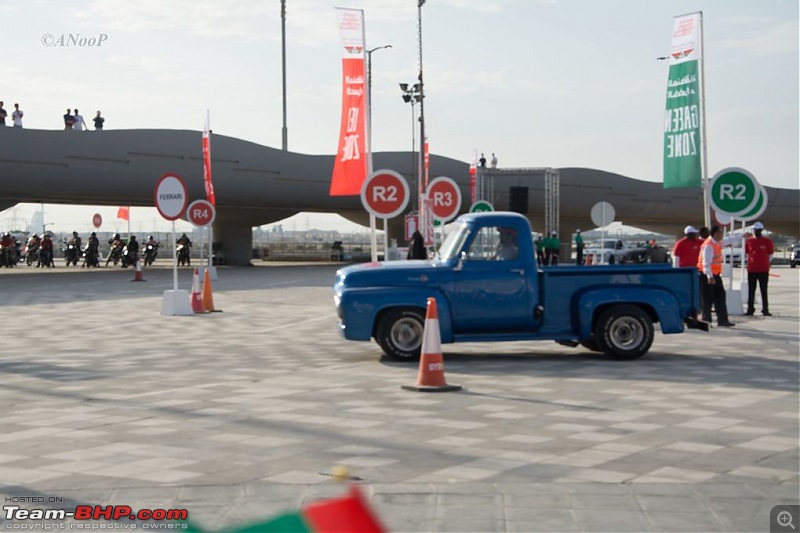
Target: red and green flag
<point>349,514</point>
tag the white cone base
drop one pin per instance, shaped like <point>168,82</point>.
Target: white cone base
<point>734,301</point>
<point>176,303</point>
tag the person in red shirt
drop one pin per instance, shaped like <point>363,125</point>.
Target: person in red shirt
<point>759,251</point>
<point>687,249</point>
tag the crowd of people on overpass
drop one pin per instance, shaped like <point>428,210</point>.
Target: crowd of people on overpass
<point>72,120</point>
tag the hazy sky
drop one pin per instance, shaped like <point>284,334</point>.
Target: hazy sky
<point>541,83</point>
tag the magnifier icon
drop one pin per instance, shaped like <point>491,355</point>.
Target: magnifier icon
<point>784,519</point>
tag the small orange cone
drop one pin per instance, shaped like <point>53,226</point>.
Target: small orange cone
<point>138,275</point>
<point>589,260</point>
<point>431,363</point>
<point>208,299</point>
<point>197,298</point>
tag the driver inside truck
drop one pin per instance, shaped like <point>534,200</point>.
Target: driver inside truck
<point>507,248</point>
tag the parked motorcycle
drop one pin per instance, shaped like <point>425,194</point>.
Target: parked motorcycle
<point>183,255</point>
<point>71,255</point>
<point>128,258</point>
<point>115,255</point>
<point>150,253</point>
<point>90,257</point>
<point>32,254</point>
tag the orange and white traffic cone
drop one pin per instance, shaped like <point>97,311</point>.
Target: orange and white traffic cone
<point>138,275</point>
<point>589,260</point>
<point>197,298</point>
<point>208,298</point>
<point>431,363</point>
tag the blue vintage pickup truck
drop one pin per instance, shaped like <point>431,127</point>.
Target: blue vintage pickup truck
<point>488,287</point>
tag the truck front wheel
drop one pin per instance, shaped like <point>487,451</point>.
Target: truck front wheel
<point>624,332</point>
<point>399,333</point>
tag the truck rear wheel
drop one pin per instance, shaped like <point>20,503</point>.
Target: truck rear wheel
<point>399,333</point>
<point>624,332</point>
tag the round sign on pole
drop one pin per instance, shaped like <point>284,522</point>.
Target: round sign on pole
<point>723,219</point>
<point>384,193</point>
<point>603,214</point>
<point>201,213</point>
<point>733,191</point>
<point>170,196</point>
<point>758,208</point>
<point>445,196</point>
<point>97,220</point>
<point>481,206</point>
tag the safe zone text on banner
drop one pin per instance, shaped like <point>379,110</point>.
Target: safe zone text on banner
<point>683,118</point>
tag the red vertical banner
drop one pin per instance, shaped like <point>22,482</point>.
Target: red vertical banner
<point>427,160</point>
<point>124,212</point>
<point>351,165</point>
<point>207,163</point>
<point>473,183</point>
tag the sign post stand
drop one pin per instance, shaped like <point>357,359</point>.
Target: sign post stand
<point>384,194</point>
<point>171,199</point>
<point>202,213</point>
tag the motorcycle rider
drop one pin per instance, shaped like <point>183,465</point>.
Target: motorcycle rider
<point>187,244</point>
<point>151,242</point>
<point>116,246</point>
<point>133,251</point>
<point>8,249</point>
<point>75,241</point>
<point>46,252</point>
<point>92,251</point>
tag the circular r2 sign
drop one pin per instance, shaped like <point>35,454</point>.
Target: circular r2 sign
<point>384,193</point>
<point>170,196</point>
<point>733,191</point>
<point>201,213</point>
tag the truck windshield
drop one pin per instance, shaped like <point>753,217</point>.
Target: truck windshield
<point>454,242</point>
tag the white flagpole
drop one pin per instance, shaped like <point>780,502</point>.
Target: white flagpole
<point>704,141</point>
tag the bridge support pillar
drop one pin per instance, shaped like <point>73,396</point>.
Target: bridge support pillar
<point>236,242</point>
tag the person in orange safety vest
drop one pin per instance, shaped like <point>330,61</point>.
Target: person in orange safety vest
<point>709,263</point>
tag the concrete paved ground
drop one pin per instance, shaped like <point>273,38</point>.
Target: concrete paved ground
<point>239,415</point>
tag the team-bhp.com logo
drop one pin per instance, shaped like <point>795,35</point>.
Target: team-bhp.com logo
<point>96,512</point>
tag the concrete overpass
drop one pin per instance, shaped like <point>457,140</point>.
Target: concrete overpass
<point>256,184</point>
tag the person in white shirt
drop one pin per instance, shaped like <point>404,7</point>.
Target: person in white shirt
<point>78,122</point>
<point>493,162</point>
<point>17,116</point>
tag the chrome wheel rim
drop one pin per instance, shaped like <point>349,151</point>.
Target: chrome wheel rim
<point>406,334</point>
<point>626,333</point>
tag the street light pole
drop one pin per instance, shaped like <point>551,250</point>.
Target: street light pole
<point>411,94</point>
<point>284,131</point>
<point>369,89</point>
<point>422,176</point>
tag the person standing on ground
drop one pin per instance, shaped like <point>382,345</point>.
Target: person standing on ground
<point>98,122</point>
<point>79,123</point>
<point>709,264</point>
<point>3,115</point>
<point>759,251</point>
<point>17,116</point>
<point>69,120</point>
<point>578,247</point>
<point>687,249</point>
<point>416,249</point>
<point>539,250</point>
<point>555,248</point>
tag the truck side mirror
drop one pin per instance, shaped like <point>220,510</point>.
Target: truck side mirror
<point>460,262</point>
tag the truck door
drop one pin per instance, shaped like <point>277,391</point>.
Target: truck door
<point>491,293</point>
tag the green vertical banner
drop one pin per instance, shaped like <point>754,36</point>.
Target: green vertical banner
<point>682,121</point>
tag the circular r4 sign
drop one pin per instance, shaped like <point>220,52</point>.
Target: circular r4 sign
<point>384,193</point>
<point>97,220</point>
<point>201,213</point>
<point>445,197</point>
